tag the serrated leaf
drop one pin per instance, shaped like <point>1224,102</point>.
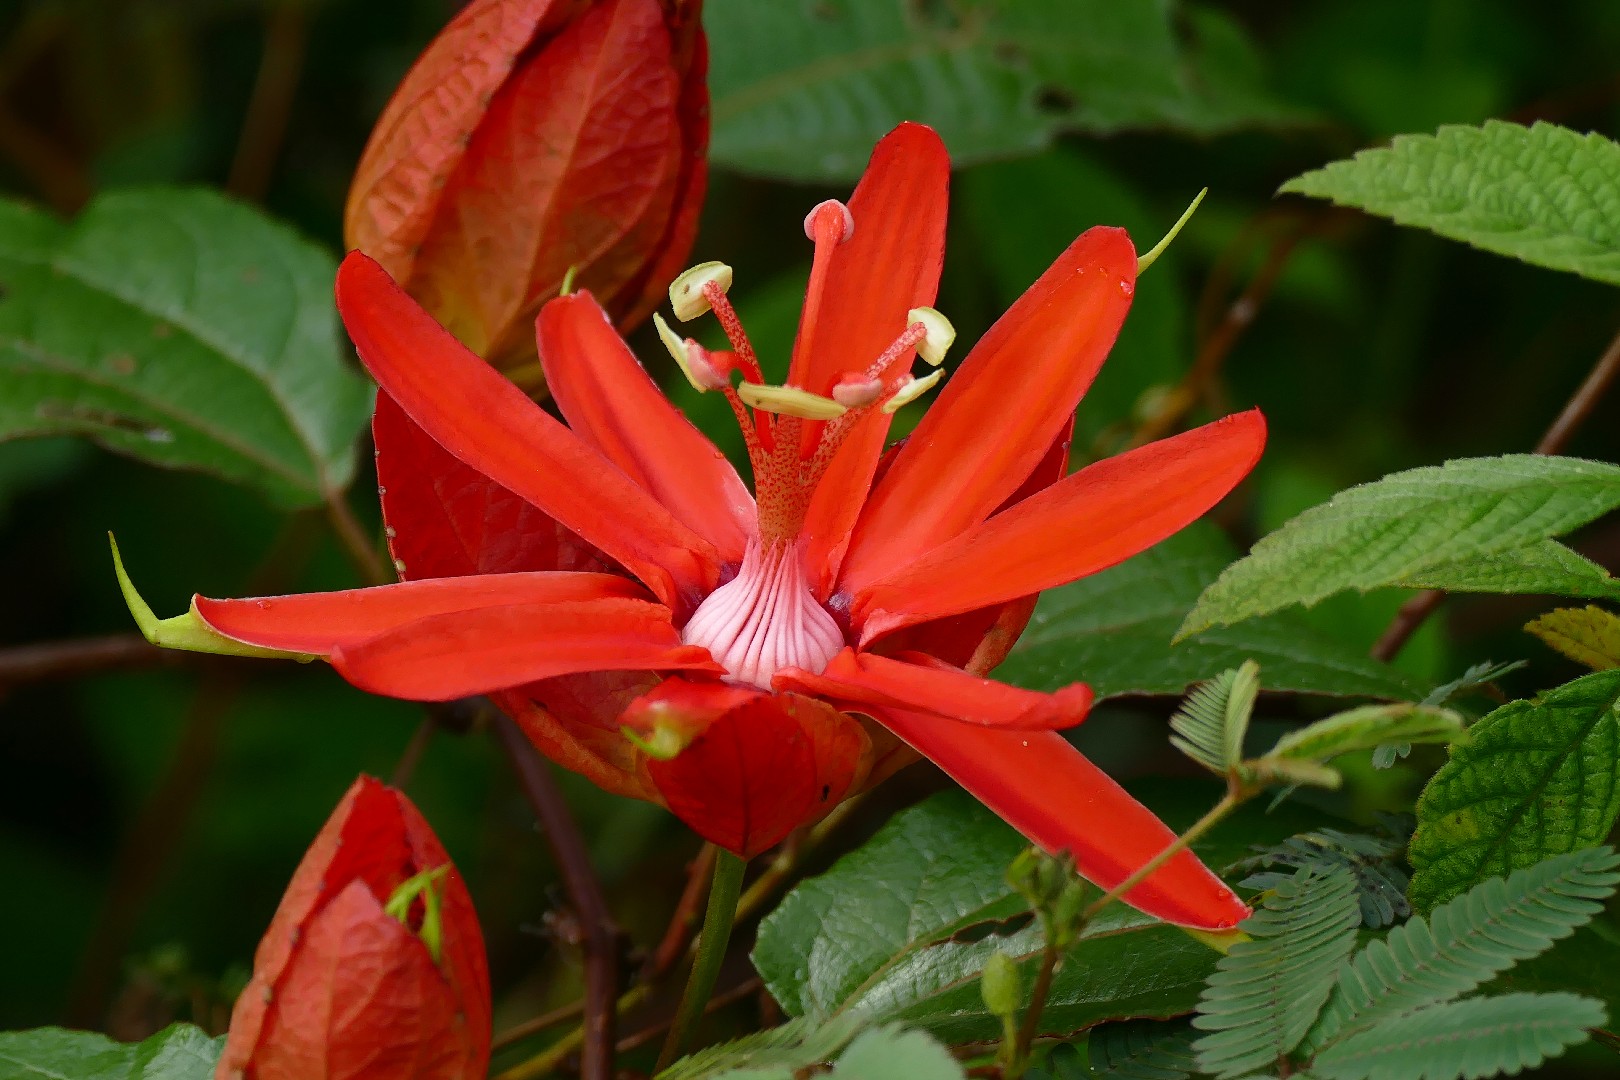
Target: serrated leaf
<point>1588,635</point>
<point>1265,993</point>
<point>1393,530</point>
<point>1475,1038</point>
<point>892,1051</point>
<point>1543,568</point>
<point>1141,1050</point>
<point>1114,630</point>
<point>1210,725</point>
<point>781,1050</point>
<point>178,1052</point>
<point>900,929</point>
<point>183,329</point>
<point>996,79</point>
<point>1363,728</point>
<point>1468,941</point>
<point>1535,778</point>
<point>1542,194</point>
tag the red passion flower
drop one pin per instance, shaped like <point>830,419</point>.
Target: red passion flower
<point>748,660</point>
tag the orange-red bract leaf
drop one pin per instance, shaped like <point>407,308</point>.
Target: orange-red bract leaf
<point>1050,792</point>
<point>321,622</point>
<point>446,519</point>
<point>919,682</point>
<point>611,402</point>
<point>1086,522</point>
<point>478,416</point>
<point>463,653</point>
<point>758,766</point>
<point>1000,411</point>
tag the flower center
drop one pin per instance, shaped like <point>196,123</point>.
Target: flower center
<point>765,619</point>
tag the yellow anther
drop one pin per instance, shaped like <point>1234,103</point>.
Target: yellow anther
<point>939,333</point>
<point>789,401</point>
<point>912,390</point>
<point>686,292</point>
<point>692,358</point>
<point>1153,253</point>
<point>830,205</point>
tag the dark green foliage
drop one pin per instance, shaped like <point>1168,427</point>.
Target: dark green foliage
<point>180,1052</point>
<point>1373,861</point>
<point>1141,1050</point>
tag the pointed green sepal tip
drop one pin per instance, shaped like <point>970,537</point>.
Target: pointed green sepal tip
<point>401,900</point>
<point>666,743</point>
<point>1219,940</point>
<point>188,632</point>
<point>1153,253</point>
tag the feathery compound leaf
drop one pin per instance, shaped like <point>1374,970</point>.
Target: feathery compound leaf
<point>1210,725</point>
<point>1543,194</point>
<point>1371,860</point>
<point>1265,993</point>
<point>1469,941</point>
<point>1397,530</point>
<point>1474,1038</point>
<point>1589,635</point>
<point>1365,727</point>
<point>1474,679</point>
<point>1141,1050</point>
<point>1535,778</point>
<point>797,1044</point>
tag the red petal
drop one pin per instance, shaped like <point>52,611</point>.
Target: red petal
<point>1087,522</point>
<point>482,419</point>
<point>423,133</point>
<point>318,623</point>
<point>916,681</point>
<point>1047,790</point>
<point>611,403</point>
<point>760,764</point>
<point>576,164</point>
<point>463,653</point>
<point>1000,411</point>
<point>447,520</point>
<point>575,721</point>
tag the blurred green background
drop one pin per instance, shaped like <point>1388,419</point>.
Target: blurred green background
<point>149,819</point>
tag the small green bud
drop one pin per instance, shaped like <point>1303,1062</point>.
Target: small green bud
<point>1002,985</point>
<point>425,885</point>
<point>1065,921</point>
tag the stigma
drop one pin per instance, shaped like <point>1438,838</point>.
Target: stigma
<point>765,619</point>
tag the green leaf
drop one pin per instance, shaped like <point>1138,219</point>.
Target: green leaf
<point>1392,531</point>
<point>1535,778</point>
<point>996,78</point>
<point>1114,630</point>
<point>893,1051</point>
<point>1465,943</point>
<point>1545,568</point>
<point>1373,861</point>
<point>1478,1037</point>
<point>178,1052</point>
<point>1141,1050</point>
<point>1543,194</point>
<point>1589,635</point>
<point>184,329</point>
<point>900,929</point>
<point>1365,727</point>
<point>1265,993</point>
<point>775,1052</point>
<point>1210,725</point>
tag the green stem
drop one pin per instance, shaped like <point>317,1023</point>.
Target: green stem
<point>1228,803</point>
<point>711,951</point>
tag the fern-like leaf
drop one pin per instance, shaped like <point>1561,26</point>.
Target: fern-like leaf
<point>1210,725</point>
<point>794,1045</point>
<point>1141,1050</point>
<point>1266,993</point>
<point>1371,860</point>
<point>1479,1037</point>
<point>1465,943</point>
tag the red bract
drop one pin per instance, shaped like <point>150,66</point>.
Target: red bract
<point>749,660</point>
<point>530,137</point>
<point>344,990</point>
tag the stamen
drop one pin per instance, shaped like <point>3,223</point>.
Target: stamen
<point>689,293</point>
<point>827,207</point>
<point>790,401</point>
<point>696,362</point>
<point>765,619</point>
<point>938,334</point>
<point>747,362</point>
<point>1153,253</point>
<point>912,390</point>
<point>857,392</point>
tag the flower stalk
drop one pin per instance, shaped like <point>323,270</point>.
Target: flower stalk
<point>718,919</point>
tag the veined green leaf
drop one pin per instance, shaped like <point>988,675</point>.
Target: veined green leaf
<point>1589,635</point>
<point>1365,727</point>
<point>1535,778</point>
<point>178,1052</point>
<point>895,1051</point>
<point>1542,194</point>
<point>183,329</point>
<point>778,1051</point>
<point>1543,568</point>
<point>1141,1050</point>
<point>1395,530</point>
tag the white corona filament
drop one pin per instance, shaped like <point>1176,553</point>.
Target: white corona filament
<point>765,619</point>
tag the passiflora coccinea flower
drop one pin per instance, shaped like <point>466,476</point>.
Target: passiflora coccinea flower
<point>748,660</point>
<point>530,137</point>
<point>373,965</point>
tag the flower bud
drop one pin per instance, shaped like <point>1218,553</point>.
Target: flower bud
<point>1001,985</point>
<point>373,965</point>
<point>531,137</point>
